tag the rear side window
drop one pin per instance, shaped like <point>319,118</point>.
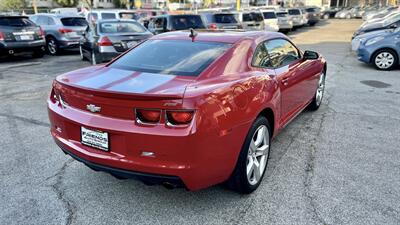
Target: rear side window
<point>186,22</point>
<point>269,15</point>
<point>225,18</point>
<point>184,58</point>
<point>121,27</point>
<point>294,12</point>
<point>74,22</point>
<point>16,22</point>
<point>106,16</point>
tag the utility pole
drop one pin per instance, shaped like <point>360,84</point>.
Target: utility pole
<point>34,6</point>
<point>237,5</point>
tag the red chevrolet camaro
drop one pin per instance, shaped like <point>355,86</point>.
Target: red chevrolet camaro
<point>189,109</point>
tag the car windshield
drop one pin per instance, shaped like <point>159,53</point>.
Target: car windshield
<point>121,27</point>
<point>184,58</point>
<point>391,20</point>
<point>248,17</point>
<point>15,22</point>
<point>294,12</point>
<point>185,22</point>
<point>269,15</point>
<point>129,15</point>
<point>281,14</point>
<point>74,22</point>
<point>106,16</point>
<point>225,18</point>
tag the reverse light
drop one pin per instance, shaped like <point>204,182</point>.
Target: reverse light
<point>105,41</point>
<point>148,115</point>
<point>65,30</point>
<point>181,117</point>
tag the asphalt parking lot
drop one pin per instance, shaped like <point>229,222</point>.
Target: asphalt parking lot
<point>338,165</point>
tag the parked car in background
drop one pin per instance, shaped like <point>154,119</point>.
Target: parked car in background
<point>297,16</point>
<point>165,23</point>
<point>105,14</point>
<point>344,14</point>
<point>379,48</point>
<point>376,20</point>
<point>389,23</point>
<point>328,13</point>
<point>18,34</point>
<point>313,14</point>
<point>270,20</point>
<point>285,22</point>
<point>107,39</point>
<point>381,12</point>
<point>63,31</point>
<point>187,111</point>
<point>251,20</point>
<point>221,21</point>
<point>357,12</point>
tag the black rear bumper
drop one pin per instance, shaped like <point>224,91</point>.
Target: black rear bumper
<point>147,178</point>
<point>7,48</point>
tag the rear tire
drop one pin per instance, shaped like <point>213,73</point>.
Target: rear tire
<point>253,158</point>
<point>93,58</point>
<point>52,46</point>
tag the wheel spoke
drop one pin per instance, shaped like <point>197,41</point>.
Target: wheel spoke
<point>262,150</point>
<point>253,146</point>
<point>260,136</point>
<point>250,166</point>
<point>257,173</point>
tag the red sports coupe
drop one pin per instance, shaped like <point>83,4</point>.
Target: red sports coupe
<point>189,109</point>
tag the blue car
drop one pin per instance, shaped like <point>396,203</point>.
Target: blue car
<point>380,48</point>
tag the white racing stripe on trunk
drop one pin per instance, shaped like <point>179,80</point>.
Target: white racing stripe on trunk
<point>105,78</point>
<point>143,83</point>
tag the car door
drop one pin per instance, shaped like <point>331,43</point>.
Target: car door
<point>297,80</point>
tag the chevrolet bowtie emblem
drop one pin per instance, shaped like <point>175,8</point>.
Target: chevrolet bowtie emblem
<point>93,108</point>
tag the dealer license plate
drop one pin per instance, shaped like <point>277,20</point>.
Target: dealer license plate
<point>95,138</point>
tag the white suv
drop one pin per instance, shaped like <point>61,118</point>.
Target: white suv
<point>270,20</point>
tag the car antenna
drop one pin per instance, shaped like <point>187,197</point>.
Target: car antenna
<point>192,34</point>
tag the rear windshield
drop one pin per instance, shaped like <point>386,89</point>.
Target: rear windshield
<point>121,27</point>
<point>184,58</point>
<point>225,18</point>
<point>106,16</point>
<point>269,15</point>
<point>185,22</point>
<point>281,14</point>
<point>311,10</point>
<point>74,22</point>
<point>294,12</point>
<point>252,17</point>
<point>129,15</point>
<point>16,22</point>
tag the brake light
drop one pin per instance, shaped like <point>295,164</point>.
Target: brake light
<point>65,30</point>
<point>212,26</point>
<point>148,115</point>
<point>41,32</point>
<point>105,41</point>
<point>1,36</point>
<point>179,117</point>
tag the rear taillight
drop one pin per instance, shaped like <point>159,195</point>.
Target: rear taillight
<point>212,26</point>
<point>57,97</point>
<point>176,118</point>
<point>1,36</point>
<point>105,41</point>
<point>148,115</point>
<point>65,30</point>
<point>41,32</point>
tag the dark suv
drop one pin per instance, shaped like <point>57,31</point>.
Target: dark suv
<point>165,23</point>
<point>222,21</point>
<point>19,34</point>
<point>63,31</point>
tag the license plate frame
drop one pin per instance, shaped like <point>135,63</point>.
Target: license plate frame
<point>26,37</point>
<point>89,136</point>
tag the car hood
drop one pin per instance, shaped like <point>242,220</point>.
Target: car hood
<point>375,34</point>
<point>105,81</point>
<point>371,26</point>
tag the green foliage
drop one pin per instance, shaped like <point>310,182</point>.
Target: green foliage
<point>12,4</point>
<point>121,3</point>
<point>67,3</point>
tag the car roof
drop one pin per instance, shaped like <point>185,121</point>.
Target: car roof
<point>217,35</point>
<point>61,15</point>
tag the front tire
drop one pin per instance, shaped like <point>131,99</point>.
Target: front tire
<point>253,158</point>
<point>385,59</point>
<point>319,94</point>
<point>52,46</point>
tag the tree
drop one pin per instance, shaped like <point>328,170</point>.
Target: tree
<point>12,4</point>
<point>123,3</point>
<point>67,3</point>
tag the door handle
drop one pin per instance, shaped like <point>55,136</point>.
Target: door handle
<point>285,81</point>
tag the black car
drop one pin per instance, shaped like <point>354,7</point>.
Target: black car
<point>18,34</point>
<point>313,14</point>
<point>165,23</point>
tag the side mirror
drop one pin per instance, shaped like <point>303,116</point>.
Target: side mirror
<point>310,55</point>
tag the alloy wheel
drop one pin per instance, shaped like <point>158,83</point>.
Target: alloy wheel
<point>257,155</point>
<point>384,60</point>
<point>52,46</point>
<point>320,91</point>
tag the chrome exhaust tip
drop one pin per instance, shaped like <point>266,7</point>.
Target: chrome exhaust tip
<point>11,52</point>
